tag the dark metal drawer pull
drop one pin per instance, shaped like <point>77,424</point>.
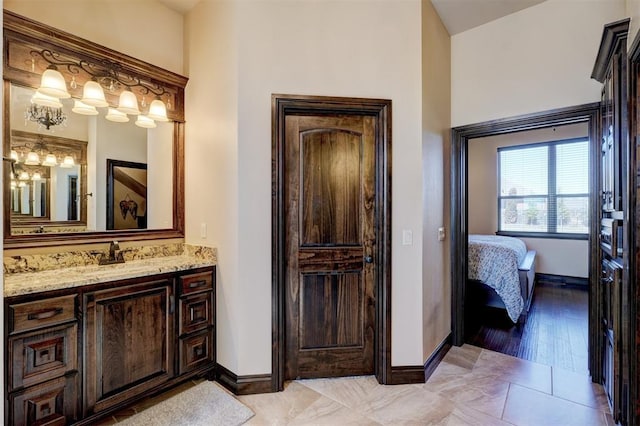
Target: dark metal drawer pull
<point>198,351</point>
<point>44,314</point>
<point>195,284</point>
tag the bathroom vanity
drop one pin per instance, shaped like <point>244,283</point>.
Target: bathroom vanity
<point>96,338</point>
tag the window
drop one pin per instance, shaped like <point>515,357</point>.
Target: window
<point>544,188</point>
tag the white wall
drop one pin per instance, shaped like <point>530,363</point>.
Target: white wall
<point>60,191</point>
<point>632,10</point>
<point>536,59</point>
<point>254,49</point>
<point>436,123</point>
<point>115,141</point>
<point>160,176</point>
<point>554,256</point>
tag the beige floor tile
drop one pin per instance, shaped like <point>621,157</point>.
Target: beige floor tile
<point>480,392</point>
<point>514,370</point>
<point>279,408</point>
<point>465,416</point>
<point>325,411</point>
<point>578,388</point>
<point>348,391</point>
<point>406,405</point>
<point>526,407</point>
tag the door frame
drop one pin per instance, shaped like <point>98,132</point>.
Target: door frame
<point>587,113</point>
<point>380,109</point>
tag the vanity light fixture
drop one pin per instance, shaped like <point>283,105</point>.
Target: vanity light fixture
<point>68,162</point>
<point>50,161</point>
<point>14,156</point>
<point>23,176</point>
<point>52,83</point>
<point>116,116</point>
<point>33,159</point>
<point>13,184</point>
<point>157,111</point>
<point>22,184</point>
<point>81,108</point>
<point>36,176</point>
<point>92,94</point>
<point>98,77</point>
<point>45,100</point>
<point>145,122</point>
<point>128,103</point>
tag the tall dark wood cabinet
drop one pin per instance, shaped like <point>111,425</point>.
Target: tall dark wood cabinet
<point>612,296</point>
<point>634,221</point>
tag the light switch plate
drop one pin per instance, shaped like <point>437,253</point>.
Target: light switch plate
<point>407,237</point>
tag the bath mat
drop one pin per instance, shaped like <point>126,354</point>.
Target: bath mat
<point>205,404</point>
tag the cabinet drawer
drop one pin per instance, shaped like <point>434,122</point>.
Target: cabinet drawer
<point>47,312</point>
<point>194,283</point>
<point>197,351</point>
<point>42,355</point>
<point>51,403</point>
<point>196,312</point>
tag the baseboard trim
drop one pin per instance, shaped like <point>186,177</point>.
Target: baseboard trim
<point>243,385</point>
<point>406,374</point>
<point>562,279</point>
<point>437,356</point>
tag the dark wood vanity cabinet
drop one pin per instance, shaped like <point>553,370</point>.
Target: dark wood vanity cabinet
<point>73,358</point>
<point>129,341</point>
<point>42,362</point>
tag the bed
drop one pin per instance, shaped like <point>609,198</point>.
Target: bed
<point>501,274</point>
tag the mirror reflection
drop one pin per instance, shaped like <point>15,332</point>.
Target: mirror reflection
<point>64,178</point>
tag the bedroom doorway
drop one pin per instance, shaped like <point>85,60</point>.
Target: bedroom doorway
<point>474,211</point>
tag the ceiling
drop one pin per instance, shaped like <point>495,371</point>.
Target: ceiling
<point>461,15</point>
<point>457,15</point>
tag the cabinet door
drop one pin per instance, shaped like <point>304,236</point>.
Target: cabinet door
<point>50,403</point>
<point>129,337</point>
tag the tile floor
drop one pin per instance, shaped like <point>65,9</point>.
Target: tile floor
<point>471,386</point>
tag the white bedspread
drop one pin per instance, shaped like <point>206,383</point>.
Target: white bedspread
<point>494,260</point>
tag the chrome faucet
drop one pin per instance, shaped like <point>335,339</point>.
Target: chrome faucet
<point>115,255</point>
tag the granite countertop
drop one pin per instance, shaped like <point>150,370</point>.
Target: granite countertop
<point>56,279</point>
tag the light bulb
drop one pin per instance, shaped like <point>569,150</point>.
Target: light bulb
<point>128,103</point>
<point>68,162</point>
<point>81,108</point>
<point>145,122</point>
<point>157,111</point>
<point>92,94</point>
<point>45,100</point>
<point>33,159</point>
<point>50,160</point>
<point>117,116</point>
<point>53,84</point>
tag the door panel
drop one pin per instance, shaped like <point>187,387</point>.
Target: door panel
<point>330,245</point>
<point>330,188</point>
<point>331,310</point>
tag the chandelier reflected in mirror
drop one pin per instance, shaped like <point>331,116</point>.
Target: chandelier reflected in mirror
<point>45,116</point>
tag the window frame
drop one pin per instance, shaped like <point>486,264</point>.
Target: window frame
<point>551,196</point>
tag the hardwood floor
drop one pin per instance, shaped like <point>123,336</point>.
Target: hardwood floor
<point>555,333</point>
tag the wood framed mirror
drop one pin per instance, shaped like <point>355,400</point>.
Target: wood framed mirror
<point>56,158</point>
